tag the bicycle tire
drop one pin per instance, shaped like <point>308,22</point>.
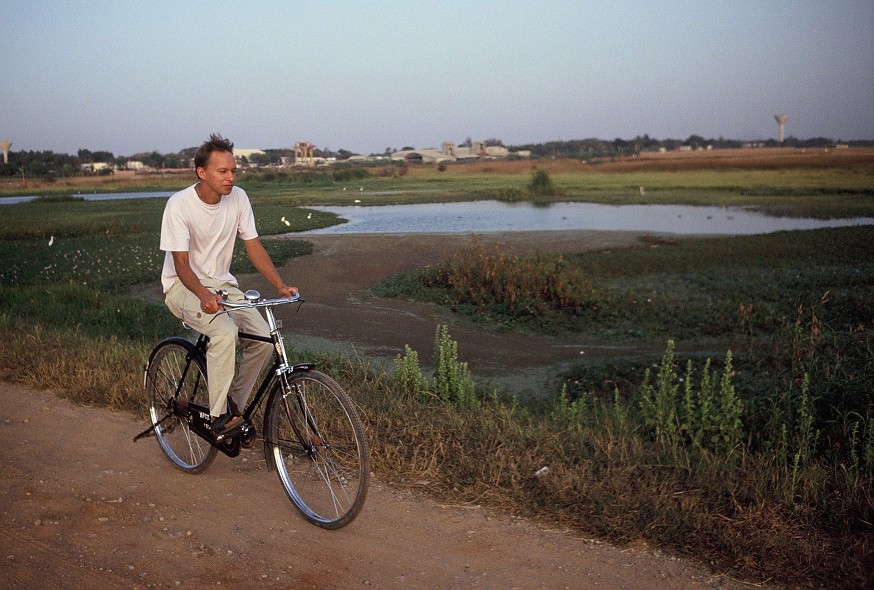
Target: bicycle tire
<point>319,448</point>
<point>168,381</point>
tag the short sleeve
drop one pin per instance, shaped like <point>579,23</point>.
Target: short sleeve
<point>246,229</point>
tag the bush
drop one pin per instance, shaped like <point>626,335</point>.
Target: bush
<point>541,185</point>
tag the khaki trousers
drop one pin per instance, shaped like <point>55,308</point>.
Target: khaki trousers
<point>222,329</point>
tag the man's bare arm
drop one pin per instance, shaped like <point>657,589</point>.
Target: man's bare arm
<point>262,262</point>
<point>209,302</point>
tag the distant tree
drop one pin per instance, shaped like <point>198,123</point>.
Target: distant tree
<point>46,164</point>
<point>696,141</point>
<point>188,153</point>
<point>620,146</point>
<point>88,157</point>
<point>264,159</point>
<point>644,143</point>
<point>152,159</point>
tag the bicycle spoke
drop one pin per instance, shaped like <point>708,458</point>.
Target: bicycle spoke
<point>176,373</point>
<point>319,448</point>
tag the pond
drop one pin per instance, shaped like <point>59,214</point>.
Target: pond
<point>498,216</point>
<point>92,197</point>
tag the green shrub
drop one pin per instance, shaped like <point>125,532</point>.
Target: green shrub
<point>407,374</point>
<point>452,379</point>
<point>541,185</point>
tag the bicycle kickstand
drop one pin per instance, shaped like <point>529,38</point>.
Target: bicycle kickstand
<point>147,432</point>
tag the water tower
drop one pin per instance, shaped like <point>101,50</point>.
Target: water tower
<point>5,145</point>
<point>781,124</point>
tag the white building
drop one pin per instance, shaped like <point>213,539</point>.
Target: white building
<point>449,152</point>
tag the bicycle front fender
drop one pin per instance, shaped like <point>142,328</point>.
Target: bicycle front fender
<point>268,412</point>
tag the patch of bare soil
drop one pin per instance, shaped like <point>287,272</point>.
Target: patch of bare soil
<point>85,507</point>
<point>340,316</point>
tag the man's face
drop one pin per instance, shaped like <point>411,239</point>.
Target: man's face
<point>219,173</point>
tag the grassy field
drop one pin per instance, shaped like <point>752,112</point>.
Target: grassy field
<point>759,461</point>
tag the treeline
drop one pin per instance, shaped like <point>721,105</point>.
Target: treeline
<point>51,165</point>
<point>593,147</point>
<point>45,164</point>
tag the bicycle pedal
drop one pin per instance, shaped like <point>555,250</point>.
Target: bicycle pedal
<point>247,436</point>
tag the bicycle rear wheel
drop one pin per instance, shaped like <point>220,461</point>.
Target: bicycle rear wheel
<point>176,373</point>
<point>319,448</point>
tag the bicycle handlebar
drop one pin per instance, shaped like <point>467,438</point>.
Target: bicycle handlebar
<point>253,299</point>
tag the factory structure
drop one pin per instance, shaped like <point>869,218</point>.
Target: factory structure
<point>449,152</point>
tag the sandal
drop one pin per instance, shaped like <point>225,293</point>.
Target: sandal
<point>226,423</point>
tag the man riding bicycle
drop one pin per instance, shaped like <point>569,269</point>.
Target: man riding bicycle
<point>198,231</point>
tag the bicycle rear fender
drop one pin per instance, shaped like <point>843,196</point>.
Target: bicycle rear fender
<point>186,344</point>
<point>268,413</point>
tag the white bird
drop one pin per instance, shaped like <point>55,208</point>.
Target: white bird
<point>51,240</point>
<point>642,192</point>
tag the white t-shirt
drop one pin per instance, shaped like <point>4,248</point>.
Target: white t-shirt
<point>206,232</point>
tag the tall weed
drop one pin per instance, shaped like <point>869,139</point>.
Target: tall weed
<point>453,381</point>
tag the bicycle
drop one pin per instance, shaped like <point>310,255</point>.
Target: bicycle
<point>312,433</point>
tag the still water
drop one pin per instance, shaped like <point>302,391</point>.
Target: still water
<point>497,216</point>
<point>92,197</point>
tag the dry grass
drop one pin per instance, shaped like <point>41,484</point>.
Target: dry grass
<point>170,179</point>
<point>86,369</point>
<point>749,159</point>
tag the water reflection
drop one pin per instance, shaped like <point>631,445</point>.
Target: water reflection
<point>497,216</point>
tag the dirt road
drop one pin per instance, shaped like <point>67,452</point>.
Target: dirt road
<point>85,507</point>
<point>82,506</point>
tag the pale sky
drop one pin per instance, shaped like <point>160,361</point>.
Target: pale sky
<point>129,77</point>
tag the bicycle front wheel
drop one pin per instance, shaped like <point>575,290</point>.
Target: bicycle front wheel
<point>175,375</point>
<point>319,448</point>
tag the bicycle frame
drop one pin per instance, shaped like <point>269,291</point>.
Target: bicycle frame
<point>279,370</point>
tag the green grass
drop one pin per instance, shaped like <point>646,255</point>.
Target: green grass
<point>689,289</point>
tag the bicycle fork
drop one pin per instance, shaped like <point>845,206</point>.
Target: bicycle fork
<point>293,405</point>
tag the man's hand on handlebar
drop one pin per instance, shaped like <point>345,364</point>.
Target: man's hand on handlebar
<point>288,292</point>
<point>211,304</point>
